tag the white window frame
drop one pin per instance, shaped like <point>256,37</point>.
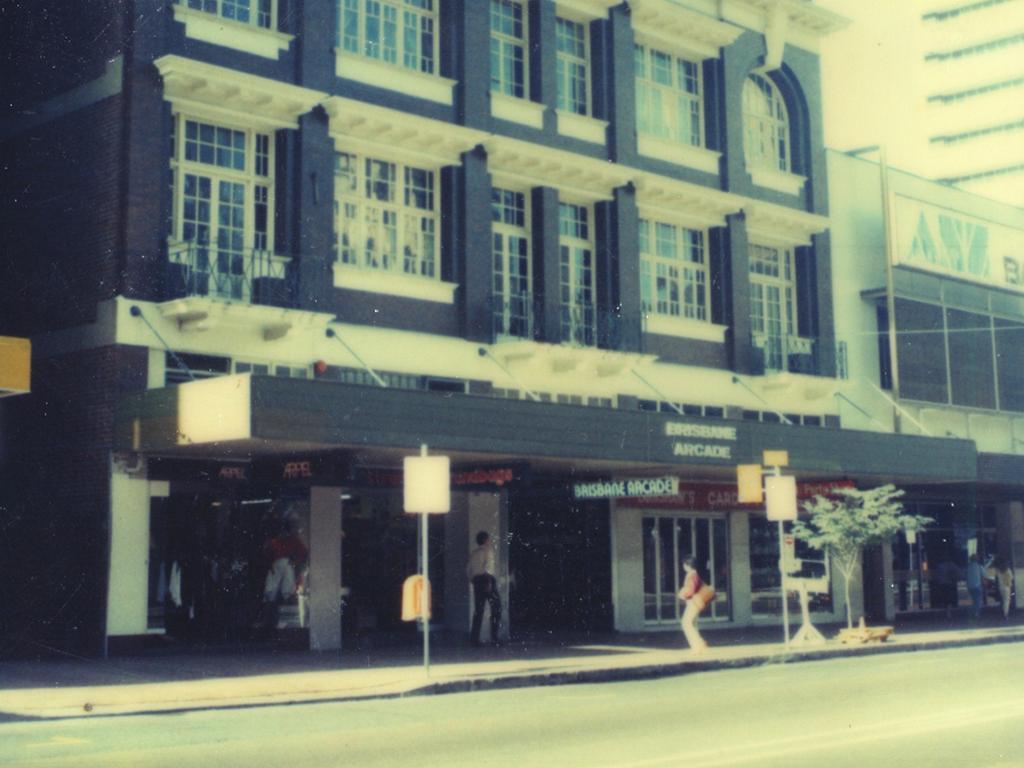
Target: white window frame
<point>577,283</point>
<point>262,13</point>
<point>502,44</point>
<point>353,209</point>
<point>764,280</point>
<point>674,275</point>
<point>765,125</point>
<point>513,308</point>
<point>256,178</point>
<point>671,94</point>
<point>206,20</point>
<point>566,60</point>
<point>403,11</point>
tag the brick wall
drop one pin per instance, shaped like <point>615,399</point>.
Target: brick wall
<point>62,199</point>
<point>56,506</point>
<point>55,45</point>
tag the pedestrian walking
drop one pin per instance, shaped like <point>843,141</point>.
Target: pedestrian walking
<point>485,587</point>
<point>1003,575</point>
<point>689,593</point>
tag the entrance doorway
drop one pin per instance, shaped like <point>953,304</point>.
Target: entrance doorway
<point>667,541</point>
<point>930,574</point>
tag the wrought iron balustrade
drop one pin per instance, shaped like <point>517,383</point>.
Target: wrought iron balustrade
<point>792,354</point>
<point>251,276</point>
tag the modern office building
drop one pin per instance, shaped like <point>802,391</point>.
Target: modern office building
<point>973,80</point>
<point>264,251</point>
<point>933,345</point>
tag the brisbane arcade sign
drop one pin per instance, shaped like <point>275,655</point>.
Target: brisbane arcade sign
<point>701,441</point>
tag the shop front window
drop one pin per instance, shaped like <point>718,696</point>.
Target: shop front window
<point>765,579</point>
<point>667,541</point>
<point>930,573</point>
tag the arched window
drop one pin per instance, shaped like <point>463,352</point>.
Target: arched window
<point>765,125</point>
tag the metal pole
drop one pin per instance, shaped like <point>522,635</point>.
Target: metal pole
<point>425,602</point>
<point>785,596</point>
<point>782,576</point>
<point>427,597</point>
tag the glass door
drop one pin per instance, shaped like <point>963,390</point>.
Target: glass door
<point>667,541</point>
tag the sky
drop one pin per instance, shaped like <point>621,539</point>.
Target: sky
<point>869,79</point>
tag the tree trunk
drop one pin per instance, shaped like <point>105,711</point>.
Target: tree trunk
<point>849,611</point>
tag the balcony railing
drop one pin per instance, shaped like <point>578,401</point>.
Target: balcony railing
<point>252,276</point>
<point>516,317</point>
<point>523,318</point>
<point>792,354</point>
<point>578,325</point>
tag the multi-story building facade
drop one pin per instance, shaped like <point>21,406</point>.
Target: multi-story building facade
<point>947,364</point>
<point>973,78</point>
<point>263,251</point>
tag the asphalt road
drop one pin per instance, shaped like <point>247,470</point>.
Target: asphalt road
<point>962,707</point>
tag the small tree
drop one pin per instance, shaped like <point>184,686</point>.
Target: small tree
<point>849,519</point>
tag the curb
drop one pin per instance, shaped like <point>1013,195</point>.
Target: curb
<point>510,680</point>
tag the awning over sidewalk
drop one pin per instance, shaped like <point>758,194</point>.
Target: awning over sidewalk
<point>244,416</point>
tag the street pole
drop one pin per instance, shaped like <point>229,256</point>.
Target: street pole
<point>425,604</point>
<point>782,575</point>
<point>427,490</point>
<point>785,594</point>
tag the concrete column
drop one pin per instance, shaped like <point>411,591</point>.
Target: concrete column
<point>739,264</point>
<point>739,567</point>
<point>458,602</point>
<point>1010,535</point>
<point>472,202</point>
<point>546,264</point>
<point>324,568</point>
<point>628,569</point>
<point>617,81</point>
<point>127,602</point>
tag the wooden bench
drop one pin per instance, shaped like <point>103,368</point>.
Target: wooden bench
<point>862,634</point>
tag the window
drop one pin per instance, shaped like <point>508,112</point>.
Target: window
<point>956,357</point>
<point>772,304</point>
<point>667,541</point>
<point>576,275</point>
<point>765,125</point>
<point>223,195</point>
<point>385,215</point>
<point>673,271</point>
<point>513,305</point>
<point>259,13</point>
<point>508,48</point>
<point>668,97</point>
<point>401,32</point>
<point>571,65</point>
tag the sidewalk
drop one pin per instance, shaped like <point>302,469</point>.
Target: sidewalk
<point>198,679</point>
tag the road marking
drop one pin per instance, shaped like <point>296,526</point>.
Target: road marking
<point>57,741</point>
<point>757,752</point>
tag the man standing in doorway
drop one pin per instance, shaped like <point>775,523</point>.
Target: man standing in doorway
<point>485,587</point>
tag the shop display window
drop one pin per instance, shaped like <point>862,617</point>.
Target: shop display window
<point>765,580</point>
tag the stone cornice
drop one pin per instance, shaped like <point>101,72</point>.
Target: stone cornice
<point>358,125</point>
<point>675,28</point>
<point>245,98</point>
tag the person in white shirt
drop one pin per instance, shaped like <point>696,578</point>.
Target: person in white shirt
<point>485,587</point>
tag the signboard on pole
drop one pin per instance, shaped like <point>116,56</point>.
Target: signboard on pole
<point>780,497</point>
